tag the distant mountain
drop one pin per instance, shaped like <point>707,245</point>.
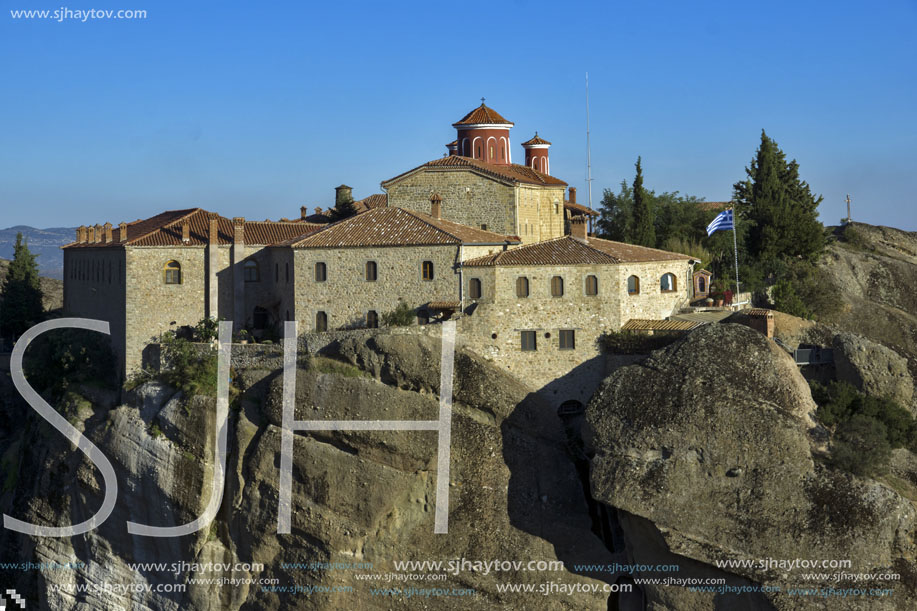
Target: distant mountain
<point>45,243</point>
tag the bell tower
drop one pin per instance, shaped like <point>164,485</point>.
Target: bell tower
<point>483,134</point>
<point>536,154</point>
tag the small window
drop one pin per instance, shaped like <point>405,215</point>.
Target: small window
<point>479,152</point>
<point>321,272</point>
<point>491,152</point>
<point>522,286</point>
<point>427,270</point>
<point>372,320</point>
<point>592,285</point>
<point>668,283</point>
<point>567,339</point>
<point>371,271</point>
<point>250,271</point>
<point>260,318</point>
<point>701,285</point>
<point>633,285</point>
<point>474,288</point>
<point>528,341</point>
<point>557,286</point>
<point>276,272</point>
<point>287,271</point>
<point>321,321</point>
<point>484,226</point>
<point>172,272</point>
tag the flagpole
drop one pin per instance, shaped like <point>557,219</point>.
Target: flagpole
<point>735,250</point>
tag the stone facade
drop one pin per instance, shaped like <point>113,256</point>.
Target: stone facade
<point>497,320</point>
<point>345,296</point>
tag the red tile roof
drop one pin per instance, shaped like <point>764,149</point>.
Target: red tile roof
<point>559,251</point>
<point>579,209</point>
<point>536,140</point>
<point>396,227</point>
<point>512,172</point>
<point>165,229</point>
<point>482,115</point>
<point>630,253</point>
<point>574,251</point>
<point>376,200</point>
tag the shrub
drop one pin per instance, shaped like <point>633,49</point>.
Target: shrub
<point>191,368</point>
<point>402,316</point>
<point>62,358</point>
<point>861,446</point>
<point>206,330</point>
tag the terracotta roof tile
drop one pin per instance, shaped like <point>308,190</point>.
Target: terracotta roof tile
<point>536,140</point>
<point>396,227</point>
<point>559,251</point>
<point>513,172</point>
<point>630,253</point>
<point>376,200</point>
<point>580,209</point>
<point>444,305</point>
<point>482,115</point>
<point>165,229</point>
<point>644,324</point>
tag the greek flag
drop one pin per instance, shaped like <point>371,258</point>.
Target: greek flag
<point>722,221</point>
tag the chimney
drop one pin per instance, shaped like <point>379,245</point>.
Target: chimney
<point>122,228</point>
<point>108,237</point>
<point>213,229</point>
<point>186,232</point>
<point>436,206</point>
<point>578,227</point>
<point>342,195</point>
<point>303,212</point>
<point>318,210</point>
<point>572,197</point>
<point>97,234</point>
<point>81,234</point>
<point>238,230</point>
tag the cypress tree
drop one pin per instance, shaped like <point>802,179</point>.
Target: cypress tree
<point>643,232</point>
<point>22,299</point>
<point>779,206</point>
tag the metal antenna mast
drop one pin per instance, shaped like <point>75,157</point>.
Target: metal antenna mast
<point>588,150</point>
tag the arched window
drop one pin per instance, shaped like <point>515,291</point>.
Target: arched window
<point>172,272</point>
<point>633,285</point>
<point>372,319</point>
<point>427,270</point>
<point>557,286</point>
<point>474,288</point>
<point>250,271</point>
<point>668,283</point>
<point>371,271</point>
<point>701,285</point>
<point>321,272</point>
<point>522,286</point>
<point>321,321</point>
<point>260,318</point>
<point>491,151</point>
<point>592,285</point>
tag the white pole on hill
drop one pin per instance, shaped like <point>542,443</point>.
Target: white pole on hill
<point>735,250</point>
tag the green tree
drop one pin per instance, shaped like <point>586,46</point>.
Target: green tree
<point>644,233</point>
<point>616,214</point>
<point>344,208</point>
<point>22,299</point>
<point>780,208</point>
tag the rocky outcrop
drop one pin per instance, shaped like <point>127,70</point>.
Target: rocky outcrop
<point>873,368</point>
<point>358,496</point>
<point>710,452</point>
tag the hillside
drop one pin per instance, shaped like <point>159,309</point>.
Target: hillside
<point>45,243</point>
<point>52,289</point>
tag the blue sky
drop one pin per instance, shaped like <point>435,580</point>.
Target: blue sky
<point>255,109</point>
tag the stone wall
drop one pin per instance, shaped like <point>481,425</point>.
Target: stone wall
<point>346,296</point>
<point>652,302</point>
<point>152,305</point>
<point>468,198</point>
<point>541,212</point>
<point>94,287</point>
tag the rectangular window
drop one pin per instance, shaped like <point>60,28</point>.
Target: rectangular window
<point>321,272</point>
<point>528,341</point>
<point>427,270</point>
<point>567,339</point>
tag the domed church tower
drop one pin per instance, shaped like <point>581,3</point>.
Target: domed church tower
<point>536,154</point>
<point>483,134</point>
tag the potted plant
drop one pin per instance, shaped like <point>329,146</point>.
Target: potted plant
<point>244,336</point>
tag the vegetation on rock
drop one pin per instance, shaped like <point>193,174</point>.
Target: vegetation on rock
<point>402,316</point>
